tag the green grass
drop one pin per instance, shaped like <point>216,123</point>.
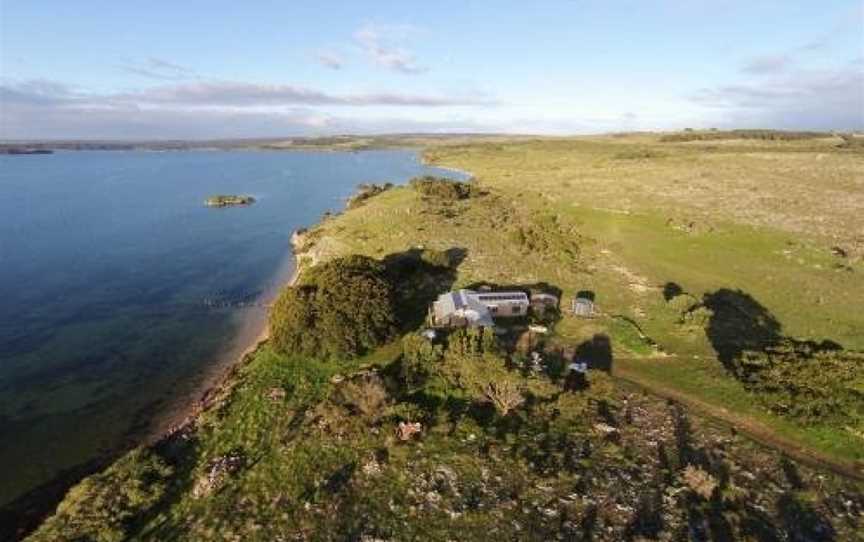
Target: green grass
<point>626,259</point>
<point>702,378</point>
<point>621,217</point>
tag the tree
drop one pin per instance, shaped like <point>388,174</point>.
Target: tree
<point>419,359</point>
<point>340,308</point>
<point>505,395</point>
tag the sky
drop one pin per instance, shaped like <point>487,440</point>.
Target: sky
<point>226,69</point>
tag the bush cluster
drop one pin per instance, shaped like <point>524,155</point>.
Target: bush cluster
<point>419,359</point>
<point>367,191</point>
<point>811,382</point>
<point>341,308</point>
<point>765,135</point>
<point>638,154</point>
<point>104,506</point>
<point>441,188</point>
<point>547,233</point>
<point>471,360</point>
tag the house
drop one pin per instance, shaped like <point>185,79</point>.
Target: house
<point>477,309</point>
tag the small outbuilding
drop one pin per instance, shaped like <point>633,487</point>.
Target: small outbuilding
<point>541,302</point>
<point>583,307</point>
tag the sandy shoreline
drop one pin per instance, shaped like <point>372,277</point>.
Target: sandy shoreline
<point>30,509</point>
<point>254,332</point>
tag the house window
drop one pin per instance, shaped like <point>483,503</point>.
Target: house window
<point>493,309</point>
<point>517,309</point>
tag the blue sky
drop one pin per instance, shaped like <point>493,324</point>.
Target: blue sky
<point>216,69</point>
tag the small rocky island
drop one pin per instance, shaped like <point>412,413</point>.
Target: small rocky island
<point>22,150</point>
<point>228,201</point>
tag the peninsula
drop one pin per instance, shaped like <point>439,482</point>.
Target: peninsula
<point>692,397</point>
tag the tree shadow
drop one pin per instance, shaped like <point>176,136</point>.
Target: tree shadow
<point>790,470</point>
<point>718,525</point>
<point>757,525</point>
<point>739,323</point>
<point>647,522</point>
<point>688,452</point>
<point>604,411</point>
<point>589,523</point>
<point>671,290</point>
<point>596,352</point>
<point>23,515</point>
<point>340,478</point>
<point>180,450</point>
<point>419,276</point>
<point>801,521</point>
<point>587,294</point>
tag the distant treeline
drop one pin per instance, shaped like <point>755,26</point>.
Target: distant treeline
<point>765,135</point>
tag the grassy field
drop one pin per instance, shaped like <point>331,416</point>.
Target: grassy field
<point>309,449</point>
<point>628,216</point>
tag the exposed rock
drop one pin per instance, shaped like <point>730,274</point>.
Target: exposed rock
<point>217,473</point>
<point>406,430</point>
<point>276,394</point>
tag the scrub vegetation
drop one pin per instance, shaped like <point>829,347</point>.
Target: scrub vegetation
<point>721,319</point>
<point>228,201</point>
<point>343,307</point>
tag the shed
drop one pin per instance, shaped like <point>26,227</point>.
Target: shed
<point>583,307</point>
<point>542,301</point>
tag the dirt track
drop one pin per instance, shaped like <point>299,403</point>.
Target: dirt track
<point>752,429</point>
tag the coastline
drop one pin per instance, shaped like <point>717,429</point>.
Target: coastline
<point>254,333</point>
<point>426,162</point>
<point>23,515</point>
<point>181,413</point>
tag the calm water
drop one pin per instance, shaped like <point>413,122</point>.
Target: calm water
<point>118,288</point>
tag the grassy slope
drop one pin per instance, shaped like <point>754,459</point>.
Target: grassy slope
<point>629,251</point>
<point>293,477</point>
<point>794,276</point>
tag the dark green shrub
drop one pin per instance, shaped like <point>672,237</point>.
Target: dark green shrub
<point>367,191</point>
<point>851,142</point>
<point>340,308</point>
<point>441,188</point>
<point>547,233</point>
<point>764,135</point>
<point>638,154</point>
<point>468,342</point>
<point>104,506</point>
<point>364,395</point>
<point>811,382</point>
<point>419,359</point>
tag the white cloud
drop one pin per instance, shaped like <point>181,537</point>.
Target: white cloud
<point>378,43</point>
<point>156,68</point>
<point>330,60</point>
<point>830,99</point>
<point>49,109</point>
<point>222,94</point>
<point>768,64</point>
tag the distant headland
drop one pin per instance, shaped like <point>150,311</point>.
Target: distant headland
<point>24,150</point>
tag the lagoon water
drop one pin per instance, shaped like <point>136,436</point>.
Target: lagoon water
<point>119,290</point>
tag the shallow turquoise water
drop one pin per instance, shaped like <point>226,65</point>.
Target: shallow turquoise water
<point>118,288</point>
